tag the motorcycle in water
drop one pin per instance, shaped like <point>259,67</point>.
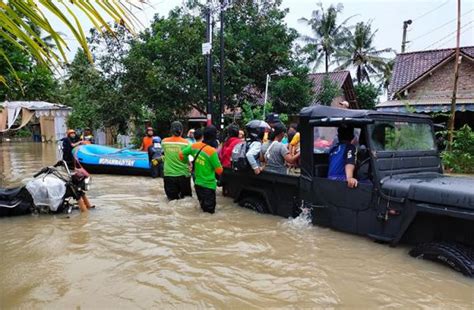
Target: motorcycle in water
<point>50,192</point>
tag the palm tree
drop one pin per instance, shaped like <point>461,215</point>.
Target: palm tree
<point>23,22</point>
<point>328,37</point>
<point>360,54</point>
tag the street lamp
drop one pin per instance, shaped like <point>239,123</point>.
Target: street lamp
<point>277,73</point>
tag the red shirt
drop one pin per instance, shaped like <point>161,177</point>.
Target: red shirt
<point>226,151</point>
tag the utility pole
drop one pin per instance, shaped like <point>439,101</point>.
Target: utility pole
<point>457,61</point>
<point>222,103</point>
<point>208,52</point>
<point>404,39</point>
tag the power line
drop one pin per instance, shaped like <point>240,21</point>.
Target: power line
<point>439,27</point>
<point>447,36</point>
<point>466,29</point>
<point>431,11</point>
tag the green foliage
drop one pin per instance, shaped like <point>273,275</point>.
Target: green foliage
<point>257,42</point>
<point>367,95</point>
<point>461,158</point>
<point>22,133</point>
<point>359,54</point>
<point>408,136</point>
<point>329,90</point>
<point>292,93</point>
<point>164,70</point>
<point>255,111</point>
<point>328,35</point>
<point>28,81</point>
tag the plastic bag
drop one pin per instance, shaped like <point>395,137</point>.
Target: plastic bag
<point>47,191</point>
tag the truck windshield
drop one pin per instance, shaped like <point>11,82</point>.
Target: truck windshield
<point>401,136</point>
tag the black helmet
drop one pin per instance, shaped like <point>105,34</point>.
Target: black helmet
<point>255,133</point>
<point>176,128</point>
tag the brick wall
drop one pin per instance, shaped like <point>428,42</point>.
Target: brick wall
<point>439,85</point>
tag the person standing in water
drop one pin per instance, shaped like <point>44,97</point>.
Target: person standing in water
<point>176,174</point>
<point>68,143</point>
<point>206,166</point>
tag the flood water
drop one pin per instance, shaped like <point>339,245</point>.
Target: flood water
<point>137,250</point>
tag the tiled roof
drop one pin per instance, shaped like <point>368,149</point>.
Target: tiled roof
<point>339,77</point>
<point>410,66</point>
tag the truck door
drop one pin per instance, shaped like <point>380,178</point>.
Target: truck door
<point>334,203</point>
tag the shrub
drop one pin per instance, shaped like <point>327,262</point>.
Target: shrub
<point>461,158</point>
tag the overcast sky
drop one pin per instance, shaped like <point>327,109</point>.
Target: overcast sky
<point>433,24</point>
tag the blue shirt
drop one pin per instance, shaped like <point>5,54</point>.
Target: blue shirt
<point>339,156</point>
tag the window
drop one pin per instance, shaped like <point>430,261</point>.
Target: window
<point>401,136</point>
<point>326,137</point>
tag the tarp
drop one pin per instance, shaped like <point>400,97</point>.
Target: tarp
<point>52,117</point>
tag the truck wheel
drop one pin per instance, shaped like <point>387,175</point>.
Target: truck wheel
<point>455,256</point>
<point>254,203</point>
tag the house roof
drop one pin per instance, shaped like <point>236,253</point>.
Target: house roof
<point>426,105</point>
<point>323,112</point>
<point>342,79</point>
<point>339,77</point>
<point>409,67</point>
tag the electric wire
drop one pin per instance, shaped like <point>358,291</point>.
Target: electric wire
<point>431,11</point>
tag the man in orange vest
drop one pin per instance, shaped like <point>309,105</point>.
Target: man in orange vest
<point>147,140</point>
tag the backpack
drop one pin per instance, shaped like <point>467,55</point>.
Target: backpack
<point>239,157</point>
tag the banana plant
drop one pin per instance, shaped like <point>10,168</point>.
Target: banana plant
<point>21,19</point>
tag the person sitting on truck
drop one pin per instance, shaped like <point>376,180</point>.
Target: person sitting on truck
<point>342,157</point>
<point>232,140</point>
<point>275,153</point>
<point>254,148</point>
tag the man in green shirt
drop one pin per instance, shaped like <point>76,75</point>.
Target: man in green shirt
<point>177,177</point>
<point>206,166</point>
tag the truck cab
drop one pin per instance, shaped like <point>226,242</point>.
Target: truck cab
<point>402,193</point>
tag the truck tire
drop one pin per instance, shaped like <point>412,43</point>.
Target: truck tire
<point>254,203</point>
<point>454,255</point>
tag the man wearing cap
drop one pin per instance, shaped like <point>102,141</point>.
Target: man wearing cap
<point>177,177</point>
<point>342,158</point>
<point>206,166</point>
<point>272,119</point>
<point>275,153</point>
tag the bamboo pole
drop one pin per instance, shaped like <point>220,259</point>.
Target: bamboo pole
<point>457,60</point>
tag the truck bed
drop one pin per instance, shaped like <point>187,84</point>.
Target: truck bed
<point>279,192</point>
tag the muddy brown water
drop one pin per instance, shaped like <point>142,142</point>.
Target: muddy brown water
<point>137,250</point>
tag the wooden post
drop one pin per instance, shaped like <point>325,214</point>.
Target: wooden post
<point>456,76</point>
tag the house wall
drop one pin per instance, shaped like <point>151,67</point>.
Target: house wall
<point>439,85</point>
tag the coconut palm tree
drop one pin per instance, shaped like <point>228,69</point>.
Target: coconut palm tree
<point>328,35</point>
<point>360,54</point>
<point>23,22</point>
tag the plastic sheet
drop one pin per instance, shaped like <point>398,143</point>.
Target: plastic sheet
<point>47,191</point>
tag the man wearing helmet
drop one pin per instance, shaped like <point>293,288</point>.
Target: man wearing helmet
<point>68,143</point>
<point>147,140</point>
<point>256,135</point>
<point>177,177</point>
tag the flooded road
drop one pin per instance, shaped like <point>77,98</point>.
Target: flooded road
<point>137,250</point>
